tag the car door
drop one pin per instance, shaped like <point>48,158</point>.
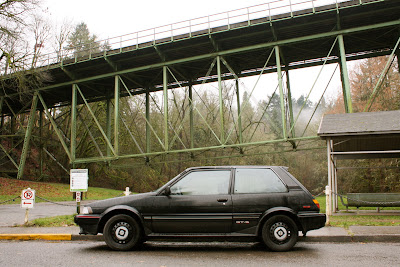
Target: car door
<point>199,202</point>
<point>255,190</point>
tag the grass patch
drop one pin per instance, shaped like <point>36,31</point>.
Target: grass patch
<point>11,188</point>
<point>322,203</point>
<point>364,220</point>
<point>57,221</point>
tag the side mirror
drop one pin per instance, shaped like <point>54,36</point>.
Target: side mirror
<point>167,191</point>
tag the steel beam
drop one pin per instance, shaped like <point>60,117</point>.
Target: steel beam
<point>28,135</point>
<point>148,133</point>
<point>345,76</point>
<point>116,115</point>
<point>281,93</point>
<point>165,94</point>
<point>108,123</point>
<point>74,103</point>
<point>228,52</point>
<point>108,142</point>
<point>265,142</point>
<point>240,130</point>
<point>55,127</point>
<point>290,104</point>
<point>221,101</point>
<point>191,119</point>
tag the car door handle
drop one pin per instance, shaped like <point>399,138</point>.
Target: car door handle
<point>222,200</point>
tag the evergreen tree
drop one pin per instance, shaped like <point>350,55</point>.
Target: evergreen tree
<point>82,43</point>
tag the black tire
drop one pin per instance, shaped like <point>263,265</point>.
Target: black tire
<point>280,233</point>
<point>122,232</point>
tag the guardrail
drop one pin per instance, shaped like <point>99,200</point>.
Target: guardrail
<point>194,27</point>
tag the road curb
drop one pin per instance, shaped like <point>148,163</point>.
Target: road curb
<point>58,237</point>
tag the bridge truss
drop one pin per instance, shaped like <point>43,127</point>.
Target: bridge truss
<point>90,100</point>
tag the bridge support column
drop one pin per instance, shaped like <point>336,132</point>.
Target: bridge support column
<point>116,115</point>
<point>165,94</point>
<point>148,133</point>
<point>221,101</point>
<point>345,76</point>
<point>191,119</point>
<point>108,123</point>
<point>289,99</point>
<point>239,111</point>
<point>281,93</point>
<point>28,135</point>
<point>73,122</point>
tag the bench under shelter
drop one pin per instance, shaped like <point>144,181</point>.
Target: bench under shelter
<point>366,135</point>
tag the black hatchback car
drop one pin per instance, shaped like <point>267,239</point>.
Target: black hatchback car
<point>228,203</point>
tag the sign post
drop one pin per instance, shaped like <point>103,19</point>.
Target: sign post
<point>79,183</point>
<point>27,201</point>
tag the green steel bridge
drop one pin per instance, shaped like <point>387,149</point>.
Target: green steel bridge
<point>275,37</point>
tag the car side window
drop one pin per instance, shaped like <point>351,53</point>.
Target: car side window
<point>210,182</point>
<point>257,181</point>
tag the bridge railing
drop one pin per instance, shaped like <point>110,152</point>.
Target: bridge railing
<point>268,12</point>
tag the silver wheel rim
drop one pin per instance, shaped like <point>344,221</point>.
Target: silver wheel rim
<point>121,233</point>
<point>280,233</point>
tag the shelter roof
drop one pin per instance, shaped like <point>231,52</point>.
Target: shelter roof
<point>365,123</point>
<point>363,135</point>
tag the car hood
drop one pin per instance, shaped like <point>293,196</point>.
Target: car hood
<point>136,200</point>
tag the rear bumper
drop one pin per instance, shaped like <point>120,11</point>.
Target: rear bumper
<point>311,221</point>
<point>88,223</point>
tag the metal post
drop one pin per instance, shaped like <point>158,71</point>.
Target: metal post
<point>335,187</point>
<point>108,123</point>
<point>165,93</point>
<point>279,71</point>
<point>345,76</point>
<point>74,103</point>
<point>221,102</point>
<point>329,193</point>
<point>41,143</point>
<point>328,205</point>
<point>191,115</point>
<point>148,133</point>
<point>289,99</point>
<point>239,112</point>
<point>27,139</point>
<point>116,114</point>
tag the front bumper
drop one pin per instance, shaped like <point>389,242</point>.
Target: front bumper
<point>311,221</point>
<point>88,223</point>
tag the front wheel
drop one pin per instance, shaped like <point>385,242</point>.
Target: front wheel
<point>280,233</point>
<point>122,232</point>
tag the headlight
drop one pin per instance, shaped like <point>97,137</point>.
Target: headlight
<point>86,210</point>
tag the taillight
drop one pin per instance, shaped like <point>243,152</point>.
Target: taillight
<point>316,203</point>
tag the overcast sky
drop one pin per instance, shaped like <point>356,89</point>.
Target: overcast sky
<point>107,19</point>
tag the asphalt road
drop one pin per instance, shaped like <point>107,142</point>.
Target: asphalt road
<point>40,253</point>
<point>12,214</point>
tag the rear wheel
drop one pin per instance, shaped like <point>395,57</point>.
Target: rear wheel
<point>280,233</point>
<point>122,232</point>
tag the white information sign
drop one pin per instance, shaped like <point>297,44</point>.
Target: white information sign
<point>79,180</point>
<point>27,198</point>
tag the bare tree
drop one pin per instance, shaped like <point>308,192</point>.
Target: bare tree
<point>61,38</point>
<point>41,32</point>
<point>13,45</point>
